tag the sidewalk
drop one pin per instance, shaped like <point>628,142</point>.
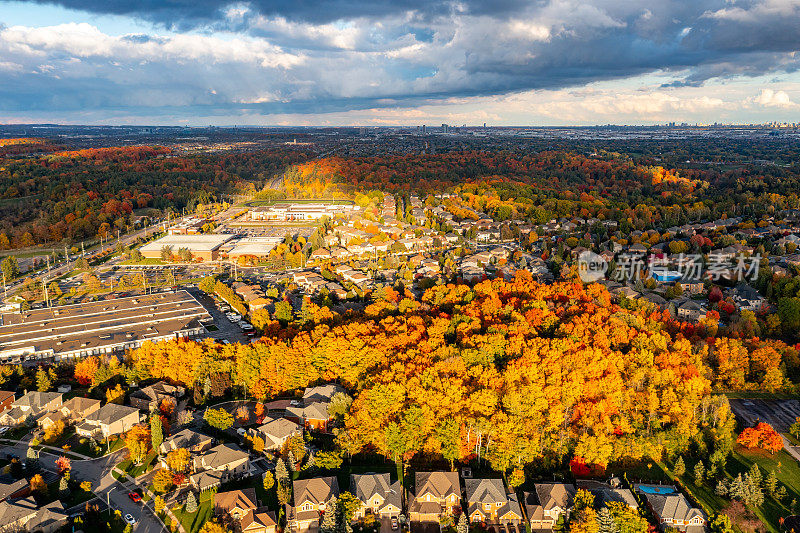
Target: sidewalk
<point>51,449</point>
<point>149,504</point>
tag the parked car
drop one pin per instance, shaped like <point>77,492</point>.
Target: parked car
<point>395,525</point>
<point>135,496</point>
<point>129,519</point>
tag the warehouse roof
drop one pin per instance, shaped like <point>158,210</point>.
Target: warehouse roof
<point>194,243</point>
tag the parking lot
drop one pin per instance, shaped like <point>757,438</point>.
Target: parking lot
<point>780,414</point>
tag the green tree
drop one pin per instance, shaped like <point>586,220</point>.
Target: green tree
<point>721,523</point>
<point>463,524</point>
<point>281,473</point>
<point>43,380</point>
<point>699,473</point>
<point>166,253</point>
<point>218,418</point>
<point>283,312</point>
<point>680,467</point>
<point>156,430</point>
<point>10,268</point>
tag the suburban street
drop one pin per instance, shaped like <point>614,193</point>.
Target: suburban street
<point>108,490</point>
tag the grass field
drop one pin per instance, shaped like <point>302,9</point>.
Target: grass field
<point>192,522</point>
<point>786,468</point>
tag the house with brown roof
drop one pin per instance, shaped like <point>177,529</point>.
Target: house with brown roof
<point>276,431</point>
<point>27,515</point>
<point>547,503</point>
<point>243,507</point>
<point>78,408</point>
<point>378,496</point>
<point>111,419</point>
<point>489,503</point>
<point>192,440</point>
<point>436,494</point>
<point>311,498</point>
<point>149,398</point>
<point>312,411</point>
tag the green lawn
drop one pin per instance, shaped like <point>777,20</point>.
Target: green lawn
<point>192,522</point>
<point>134,470</point>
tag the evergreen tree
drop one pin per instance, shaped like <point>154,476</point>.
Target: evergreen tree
<point>63,488</point>
<point>680,467</point>
<point>32,459</point>
<point>191,503</point>
<point>699,473</point>
<point>156,431</point>
<point>43,381</point>
<point>290,461</point>
<point>771,483</point>
<point>463,525</point>
<point>755,475</point>
<point>281,474</point>
<point>328,524</point>
<point>606,522</point>
<point>721,488</point>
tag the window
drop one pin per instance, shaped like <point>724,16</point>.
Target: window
<point>488,506</point>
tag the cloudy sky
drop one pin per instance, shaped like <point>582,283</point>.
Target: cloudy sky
<point>408,62</point>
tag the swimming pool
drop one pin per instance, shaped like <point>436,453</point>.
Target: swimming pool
<point>656,489</point>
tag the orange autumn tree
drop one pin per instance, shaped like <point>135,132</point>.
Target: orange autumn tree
<point>762,436</point>
<point>508,370</point>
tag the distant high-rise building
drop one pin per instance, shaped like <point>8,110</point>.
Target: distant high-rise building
<point>445,127</point>
<point>424,129</point>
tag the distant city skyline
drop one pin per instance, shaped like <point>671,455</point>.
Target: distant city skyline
<point>399,63</point>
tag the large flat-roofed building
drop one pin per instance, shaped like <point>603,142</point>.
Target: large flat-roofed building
<point>96,328</point>
<point>205,247</point>
<point>255,247</point>
<point>288,212</point>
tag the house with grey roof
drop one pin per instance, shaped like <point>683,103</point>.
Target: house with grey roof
<point>547,503</point>
<point>27,515</point>
<point>378,496</point>
<point>311,497</point>
<point>187,438</point>
<point>218,465</point>
<point>672,509</point>
<point>488,502</point>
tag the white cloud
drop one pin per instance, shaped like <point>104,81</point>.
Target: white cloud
<point>772,98</point>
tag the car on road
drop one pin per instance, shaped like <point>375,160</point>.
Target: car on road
<point>135,496</point>
<point>129,519</point>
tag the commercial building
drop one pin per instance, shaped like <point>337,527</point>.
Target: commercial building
<point>188,226</point>
<point>205,247</point>
<point>288,212</point>
<point>96,328</point>
<point>253,247</point>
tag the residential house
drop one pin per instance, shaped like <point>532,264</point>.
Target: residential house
<point>78,408</point>
<point>235,503</point>
<point>378,496</point>
<point>671,508</point>
<point>243,507</point>
<point>30,405</point>
<point>436,493</point>
<point>6,399</point>
<point>12,489</point>
<point>48,419</point>
<point>27,515</point>
<point>547,503</point>
<point>149,398</point>
<point>111,419</point>
<point>312,411</point>
<point>746,297</point>
<point>219,465</point>
<point>276,431</point>
<point>489,503</point>
<point>606,493</point>
<point>311,497</point>
<point>690,311</point>
<point>186,438</point>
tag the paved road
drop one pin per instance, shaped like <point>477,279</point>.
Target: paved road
<point>107,489</point>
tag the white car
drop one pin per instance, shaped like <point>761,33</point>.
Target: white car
<point>129,519</point>
<point>233,317</point>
